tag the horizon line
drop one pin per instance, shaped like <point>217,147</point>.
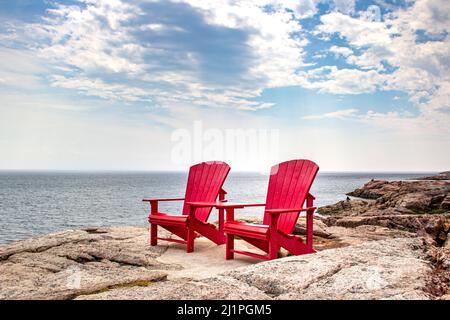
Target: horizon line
<point>181,170</point>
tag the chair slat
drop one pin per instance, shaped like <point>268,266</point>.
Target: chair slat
<point>289,184</point>
<point>204,183</point>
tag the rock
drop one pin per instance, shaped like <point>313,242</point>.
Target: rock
<point>22,282</point>
<point>439,279</point>
<point>447,243</point>
<point>369,190</point>
<point>445,204</point>
<point>411,206</point>
<point>350,207</point>
<point>400,197</point>
<point>417,202</point>
<point>388,269</point>
<point>66,264</point>
<point>319,228</point>
<point>433,226</point>
<point>344,236</point>
<point>117,263</point>
<point>217,288</point>
<point>441,176</point>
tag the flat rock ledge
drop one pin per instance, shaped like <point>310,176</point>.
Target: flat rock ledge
<point>118,263</point>
<point>387,269</point>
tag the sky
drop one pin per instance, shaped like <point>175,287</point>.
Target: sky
<point>124,85</point>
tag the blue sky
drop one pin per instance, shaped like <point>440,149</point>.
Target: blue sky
<point>353,85</point>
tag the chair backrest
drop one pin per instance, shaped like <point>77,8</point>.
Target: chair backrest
<point>204,182</point>
<point>289,184</point>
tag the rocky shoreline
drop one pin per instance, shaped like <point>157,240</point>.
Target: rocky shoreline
<point>388,240</point>
<point>419,209</point>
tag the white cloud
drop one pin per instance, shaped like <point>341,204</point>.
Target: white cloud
<point>96,44</point>
<point>340,114</point>
<point>80,38</point>
<point>391,58</point>
<point>343,81</point>
<point>98,38</point>
<point>344,6</point>
<point>358,32</point>
<point>93,49</point>
<point>278,53</point>
<point>430,15</point>
<point>341,51</point>
<point>20,69</point>
<point>302,9</point>
<point>98,88</point>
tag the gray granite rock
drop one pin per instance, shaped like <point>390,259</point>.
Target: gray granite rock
<point>388,269</point>
<point>66,264</point>
<point>217,288</point>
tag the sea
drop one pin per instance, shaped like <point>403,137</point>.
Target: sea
<point>37,203</point>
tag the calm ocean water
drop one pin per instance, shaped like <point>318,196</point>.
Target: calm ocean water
<point>35,203</point>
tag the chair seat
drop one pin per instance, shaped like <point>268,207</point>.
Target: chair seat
<point>239,228</point>
<point>168,219</point>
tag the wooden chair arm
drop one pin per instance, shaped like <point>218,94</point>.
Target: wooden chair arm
<point>162,199</point>
<point>224,205</point>
<point>294,210</point>
<point>154,203</point>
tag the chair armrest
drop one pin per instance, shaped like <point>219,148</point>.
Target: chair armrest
<point>295,210</point>
<point>154,203</point>
<point>162,199</point>
<point>224,205</point>
<point>195,204</point>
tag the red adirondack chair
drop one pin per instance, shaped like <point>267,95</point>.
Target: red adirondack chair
<point>204,183</point>
<point>289,186</point>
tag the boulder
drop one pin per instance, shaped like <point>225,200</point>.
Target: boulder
<point>401,197</point>
<point>431,225</point>
<point>349,207</point>
<point>388,269</point>
<point>217,288</point>
<point>66,264</point>
<point>417,202</point>
<point>445,204</point>
<point>118,263</point>
<point>369,190</point>
<point>441,176</point>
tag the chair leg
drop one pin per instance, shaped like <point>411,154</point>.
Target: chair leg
<point>229,247</point>
<point>309,230</point>
<point>153,234</point>
<point>273,250</point>
<point>190,240</point>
